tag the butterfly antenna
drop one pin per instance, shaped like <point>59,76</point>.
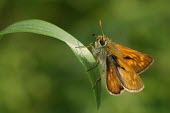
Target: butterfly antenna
<point>100,23</point>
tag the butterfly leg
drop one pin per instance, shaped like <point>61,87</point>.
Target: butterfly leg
<point>99,78</point>
<point>94,51</point>
<point>96,64</point>
<point>87,46</point>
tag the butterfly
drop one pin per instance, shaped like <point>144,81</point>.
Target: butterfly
<point>121,65</point>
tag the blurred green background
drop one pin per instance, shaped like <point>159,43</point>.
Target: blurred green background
<point>40,74</point>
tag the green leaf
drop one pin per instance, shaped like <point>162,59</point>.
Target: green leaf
<point>48,29</point>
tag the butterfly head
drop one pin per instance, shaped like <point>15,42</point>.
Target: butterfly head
<point>101,41</point>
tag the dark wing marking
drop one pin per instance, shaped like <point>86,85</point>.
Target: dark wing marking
<point>113,83</point>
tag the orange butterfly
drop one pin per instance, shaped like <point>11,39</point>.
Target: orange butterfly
<point>121,65</point>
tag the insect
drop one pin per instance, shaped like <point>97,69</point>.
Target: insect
<point>121,65</point>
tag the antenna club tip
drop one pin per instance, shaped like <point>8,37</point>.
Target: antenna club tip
<point>100,22</point>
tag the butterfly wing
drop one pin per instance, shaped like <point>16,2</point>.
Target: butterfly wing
<point>135,59</point>
<point>128,77</point>
<point>113,83</point>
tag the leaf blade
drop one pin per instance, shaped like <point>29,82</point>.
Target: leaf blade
<point>48,29</point>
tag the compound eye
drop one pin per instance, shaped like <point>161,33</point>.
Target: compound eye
<point>102,42</point>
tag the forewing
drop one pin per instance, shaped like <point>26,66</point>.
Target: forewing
<point>135,59</point>
<point>113,83</point>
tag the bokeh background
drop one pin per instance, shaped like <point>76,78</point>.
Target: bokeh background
<point>40,74</point>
